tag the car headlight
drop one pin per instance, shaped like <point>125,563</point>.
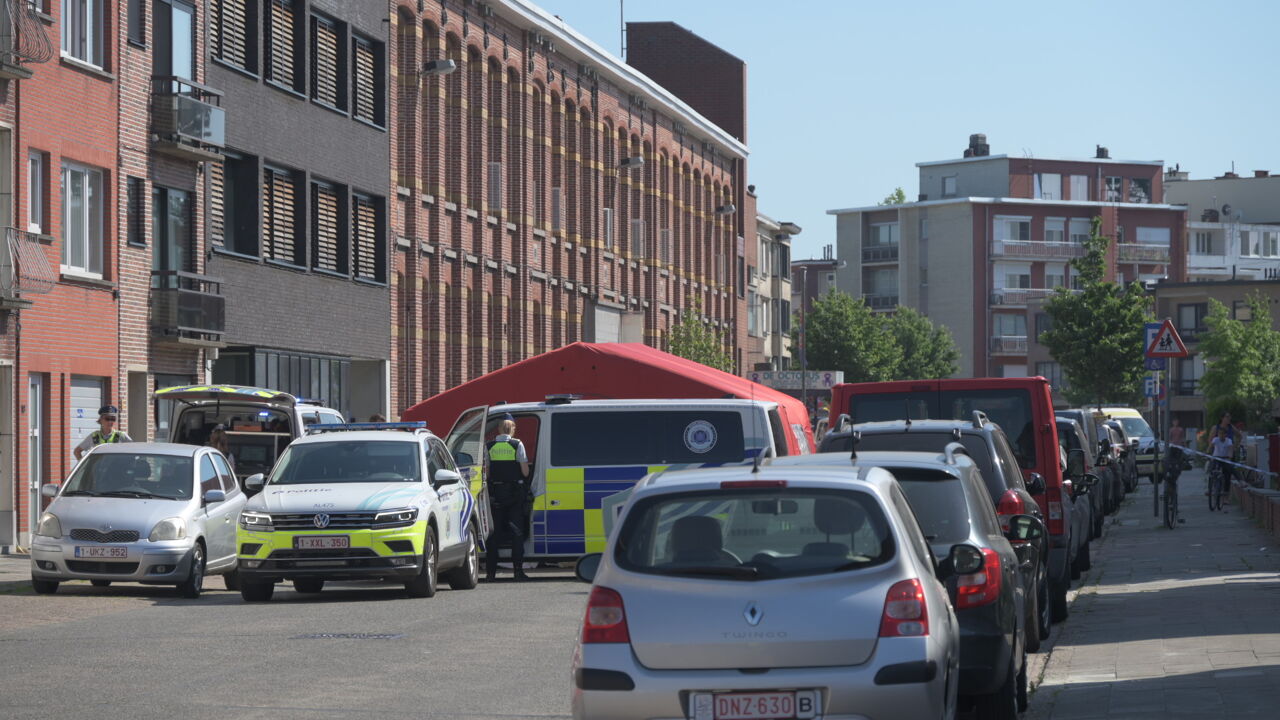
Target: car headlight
<point>174,528</point>
<point>49,526</point>
<point>395,518</point>
<point>257,521</point>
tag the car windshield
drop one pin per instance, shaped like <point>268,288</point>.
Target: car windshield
<point>348,461</point>
<point>1135,427</point>
<point>755,534</point>
<point>132,475</point>
<point>939,504</point>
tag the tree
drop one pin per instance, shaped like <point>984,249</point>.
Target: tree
<point>1242,360</point>
<point>1097,332</point>
<point>844,334</point>
<point>692,339</point>
<point>897,197</point>
<point>928,351</point>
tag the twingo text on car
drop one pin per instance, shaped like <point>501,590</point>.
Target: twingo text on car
<point>805,591</point>
<point>259,422</point>
<point>153,513</point>
<point>360,501</point>
<point>585,455</point>
<point>1010,495</point>
<point>1149,452</point>
<point>952,506</point>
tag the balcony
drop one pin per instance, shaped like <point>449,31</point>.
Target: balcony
<point>1019,296</point>
<point>24,268</point>
<point>1037,249</point>
<point>880,253</point>
<point>881,301</point>
<point>186,120</point>
<point>23,40</point>
<point>187,308</point>
<point>1133,252</point>
<point>1009,344</point>
<point>1186,388</point>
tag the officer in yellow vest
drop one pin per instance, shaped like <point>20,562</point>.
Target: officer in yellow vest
<point>107,417</point>
<point>506,471</point>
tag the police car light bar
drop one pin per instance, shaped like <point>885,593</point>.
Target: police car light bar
<point>346,427</point>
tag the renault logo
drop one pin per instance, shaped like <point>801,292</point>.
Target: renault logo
<point>753,614</point>
<point>321,520</point>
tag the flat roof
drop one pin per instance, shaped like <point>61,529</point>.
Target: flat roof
<point>1006,201</point>
<point>1104,161</point>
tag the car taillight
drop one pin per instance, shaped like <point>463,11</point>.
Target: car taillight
<point>1010,504</point>
<point>905,613</point>
<point>1053,497</point>
<point>982,587</point>
<point>606,620</point>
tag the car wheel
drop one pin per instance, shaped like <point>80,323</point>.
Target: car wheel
<point>194,584</point>
<point>467,575</point>
<point>1042,602</point>
<point>424,585</point>
<point>100,583</point>
<point>1003,703</point>
<point>256,591</point>
<point>1031,626</point>
<point>44,587</point>
<point>232,579</point>
<point>308,585</point>
<point>1058,600</point>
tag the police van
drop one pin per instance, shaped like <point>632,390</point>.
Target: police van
<point>586,455</point>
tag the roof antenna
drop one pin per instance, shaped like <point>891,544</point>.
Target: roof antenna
<point>906,412</point>
<point>854,438</point>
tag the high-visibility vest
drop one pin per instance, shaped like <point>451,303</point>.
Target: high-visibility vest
<point>100,439</point>
<point>503,465</point>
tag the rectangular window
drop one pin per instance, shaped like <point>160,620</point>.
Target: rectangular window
<point>137,209</point>
<point>1079,188</point>
<point>1052,372</point>
<point>949,186</point>
<point>232,29</point>
<point>1053,229</point>
<point>1055,275</point>
<point>328,76</point>
<point>1048,186</point>
<point>1190,370</point>
<point>557,195</point>
<point>784,316</point>
<point>1114,190</point>
<point>280,217</point>
<point>1191,320</point>
<point>82,219</point>
<point>1013,371</point>
<point>367,248</point>
<point>366,80</point>
<point>1139,190</point>
<point>753,313</point>
<point>281,40</point>
<point>1203,243</point>
<point>742,276</point>
<point>637,240</point>
<point>138,22</point>
<point>886,234</point>
<point>233,203</point>
<point>1247,248</point>
<point>1079,229</point>
<point>664,246</point>
<point>329,242</point>
<point>1009,325</point>
<point>1013,275</point>
<point>643,438</point>
<point>1015,228</point>
<point>606,219</point>
<point>1270,243</point>
<point>1153,236</point>
<point>495,187</point>
<point>82,36</point>
<point>1044,323</point>
<point>784,261</point>
<point>172,239</point>
<point>37,182</point>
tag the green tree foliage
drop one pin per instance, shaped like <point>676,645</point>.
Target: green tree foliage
<point>1098,332</point>
<point>1242,360</point>
<point>928,351</point>
<point>691,338</point>
<point>897,197</point>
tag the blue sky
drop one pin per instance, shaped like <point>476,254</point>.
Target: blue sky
<point>845,97</point>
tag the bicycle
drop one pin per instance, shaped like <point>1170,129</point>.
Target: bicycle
<point>1173,468</point>
<point>1217,484</point>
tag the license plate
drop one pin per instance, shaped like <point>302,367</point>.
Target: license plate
<point>322,542</point>
<point>790,705</point>
<point>102,552</point>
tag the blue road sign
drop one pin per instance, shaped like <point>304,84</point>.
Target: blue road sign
<point>1157,363</point>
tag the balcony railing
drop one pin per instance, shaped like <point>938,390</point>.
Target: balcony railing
<point>881,301</point>
<point>187,307</point>
<point>25,269</point>
<point>23,40</point>
<point>880,253</point>
<point>1018,296</point>
<point>1133,252</point>
<point>186,118</point>
<point>1186,388</point>
<point>1037,249</point>
<point>1009,344</point>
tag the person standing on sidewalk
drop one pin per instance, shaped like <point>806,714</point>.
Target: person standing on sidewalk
<point>506,471</point>
<point>106,432</point>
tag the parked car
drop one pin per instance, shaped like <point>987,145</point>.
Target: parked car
<point>1149,452</point>
<point>808,591</point>
<point>1071,436</point>
<point>987,445</point>
<point>1078,486</point>
<point>152,513</point>
<point>1105,496</point>
<point>1126,448</point>
<point>1111,455</point>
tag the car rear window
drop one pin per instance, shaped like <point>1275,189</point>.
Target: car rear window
<point>348,461</point>
<point>1009,408</point>
<point>646,437</point>
<point>1135,427</point>
<point>939,503</point>
<point>755,534</point>
<point>935,442</point>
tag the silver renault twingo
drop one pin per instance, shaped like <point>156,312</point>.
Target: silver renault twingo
<point>152,513</point>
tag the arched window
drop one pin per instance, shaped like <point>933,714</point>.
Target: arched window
<point>495,201</point>
<point>453,141</point>
<point>537,108</point>
<point>557,164</point>
<point>475,128</point>
<point>570,194</point>
<point>515,145</point>
<point>407,67</point>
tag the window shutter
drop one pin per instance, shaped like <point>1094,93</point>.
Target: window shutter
<point>364,232</point>
<point>278,217</point>
<point>324,62</point>
<point>326,253</point>
<point>138,21</point>
<point>228,32</point>
<point>217,203</point>
<point>281,62</point>
<point>365,82</point>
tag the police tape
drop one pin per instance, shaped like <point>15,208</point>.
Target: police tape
<point>1221,460</point>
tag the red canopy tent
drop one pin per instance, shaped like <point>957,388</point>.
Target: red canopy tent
<point>605,370</point>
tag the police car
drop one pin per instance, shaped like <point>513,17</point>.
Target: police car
<point>360,501</point>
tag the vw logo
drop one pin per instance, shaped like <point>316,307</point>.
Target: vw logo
<point>753,614</point>
<point>321,520</point>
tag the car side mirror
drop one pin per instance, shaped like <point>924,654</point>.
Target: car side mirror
<point>214,496</point>
<point>1069,487</point>
<point>255,482</point>
<point>962,560</point>
<point>587,567</point>
<point>49,490</point>
<point>1134,443</point>
<point>1075,463</point>
<point>463,459</point>
<point>1035,483</point>
<point>447,477</point>
<point>1025,528</point>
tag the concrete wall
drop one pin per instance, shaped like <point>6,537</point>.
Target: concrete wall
<point>974,178</point>
<point>1256,199</point>
<point>951,266</point>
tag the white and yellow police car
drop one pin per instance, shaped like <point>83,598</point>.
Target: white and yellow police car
<point>360,501</point>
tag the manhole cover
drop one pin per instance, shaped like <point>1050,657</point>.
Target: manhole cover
<point>349,636</point>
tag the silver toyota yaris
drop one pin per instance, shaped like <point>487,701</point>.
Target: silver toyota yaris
<point>152,513</point>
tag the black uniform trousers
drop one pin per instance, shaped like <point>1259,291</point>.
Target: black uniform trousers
<point>506,505</point>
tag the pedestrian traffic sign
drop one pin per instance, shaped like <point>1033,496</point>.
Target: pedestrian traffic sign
<point>1166,343</point>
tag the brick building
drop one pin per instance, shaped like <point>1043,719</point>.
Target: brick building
<point>546,192</point>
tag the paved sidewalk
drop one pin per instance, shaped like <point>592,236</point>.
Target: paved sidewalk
<point>15,572</point>
<point>1182,623</point>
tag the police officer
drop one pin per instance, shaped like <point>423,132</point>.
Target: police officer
<point>506,470</point>
<point>107,417</point>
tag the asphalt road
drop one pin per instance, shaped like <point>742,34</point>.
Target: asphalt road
<point>356,650</point>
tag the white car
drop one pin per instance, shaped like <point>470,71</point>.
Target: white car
<point>360,501</point>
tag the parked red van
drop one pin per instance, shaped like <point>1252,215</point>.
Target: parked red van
<point>1022,407</point>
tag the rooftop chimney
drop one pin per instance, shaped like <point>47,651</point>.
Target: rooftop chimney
<point>1228,175</point>
<point>978,146</point>
<point>1261,173</point>
<point>1102,153</point>
<point>1176,173</point>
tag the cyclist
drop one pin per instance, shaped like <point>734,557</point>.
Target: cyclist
<point>1222,451</point>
